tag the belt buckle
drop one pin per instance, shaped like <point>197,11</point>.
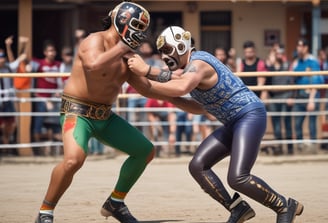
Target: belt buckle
<point>65,105</point>
<point>99,113</point>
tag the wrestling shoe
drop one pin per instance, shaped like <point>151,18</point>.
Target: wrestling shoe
<point>294,208</point>
<point>240,210</point>
<point>44,218</point>
<point>118,210</point>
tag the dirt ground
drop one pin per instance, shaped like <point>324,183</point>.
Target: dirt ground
<point>165,193</point>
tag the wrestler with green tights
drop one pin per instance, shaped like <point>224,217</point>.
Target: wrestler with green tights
<point>99,71</point>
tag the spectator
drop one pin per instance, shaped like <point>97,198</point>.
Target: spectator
<point>53,122</point>
<point>284,104</point>
<point>67,59</point>
<point>80,35</point>
<point>322,58</point>
<point>232,60</point>
<point>25,66</point>
<point>227,58</point>
<point>221,54</point>
<point>252,63</point>
<point>44,102</point>
<point>183,127</point>
<point>67,56</point>
<point>8,122</point>
<point>156,130</point>
<point>323,61</point>
<point>306,62</point>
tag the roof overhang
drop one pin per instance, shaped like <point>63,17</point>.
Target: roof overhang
<point>314,2</point>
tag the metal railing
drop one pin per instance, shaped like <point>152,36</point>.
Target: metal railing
<point>121,109</point>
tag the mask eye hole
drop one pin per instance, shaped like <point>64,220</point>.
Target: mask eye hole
<point>181,47</point>
<point>137,24</point>
<point>168,50</point>
<point>177,36</point>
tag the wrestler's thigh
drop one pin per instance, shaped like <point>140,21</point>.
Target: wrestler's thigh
<point>214,148</point>
<point>75,137</point>
<point>123,136</point>
<point>248,133</point>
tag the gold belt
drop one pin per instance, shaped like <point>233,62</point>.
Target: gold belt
<point>72,105</point>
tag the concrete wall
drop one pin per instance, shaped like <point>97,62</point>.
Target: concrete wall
<point>249,20</point>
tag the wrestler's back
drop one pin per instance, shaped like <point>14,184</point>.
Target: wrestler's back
<point>97,86</point>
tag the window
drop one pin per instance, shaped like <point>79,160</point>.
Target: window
<point>215,30</point>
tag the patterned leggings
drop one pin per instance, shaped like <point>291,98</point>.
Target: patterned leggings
<point>241,141</point>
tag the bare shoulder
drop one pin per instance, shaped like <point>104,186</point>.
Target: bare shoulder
<point>93,40</point>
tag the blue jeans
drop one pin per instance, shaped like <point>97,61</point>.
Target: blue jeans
<point>136,103</point>
<point>96,147</point>
<point>299,119</point>
<point>183,127</point>
<point>38,122</point>
<point>276,120</point>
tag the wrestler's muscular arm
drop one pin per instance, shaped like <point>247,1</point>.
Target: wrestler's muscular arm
<point>139,67</point>
<point>197,74</point>
<point>143,86</point>
<point>98,58</point>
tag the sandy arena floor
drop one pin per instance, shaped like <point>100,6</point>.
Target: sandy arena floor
<point>165,193</point>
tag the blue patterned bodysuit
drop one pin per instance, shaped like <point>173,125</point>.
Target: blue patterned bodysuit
<point>230,98</point>
<point>244,118</point>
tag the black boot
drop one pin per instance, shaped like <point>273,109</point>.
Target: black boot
<point>240,210</point>
<point>118,210</point>
<point>294,208</point>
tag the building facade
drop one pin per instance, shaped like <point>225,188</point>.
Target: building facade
<point>226,23</point>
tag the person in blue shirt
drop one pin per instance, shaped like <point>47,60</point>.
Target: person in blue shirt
<point>306,62</point>
<point>223,95</point>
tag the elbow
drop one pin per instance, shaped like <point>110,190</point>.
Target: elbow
<point>178,91</point>
<point>145,93</point>
<point>181,91</point>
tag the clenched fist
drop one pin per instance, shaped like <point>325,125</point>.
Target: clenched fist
<point>137,65</point>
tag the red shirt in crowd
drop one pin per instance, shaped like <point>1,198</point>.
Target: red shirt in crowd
<point>47,82</point>
<point>155,103</point>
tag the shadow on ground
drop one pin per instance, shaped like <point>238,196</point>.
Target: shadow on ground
<point>165,221</point>
<point>160,221</point>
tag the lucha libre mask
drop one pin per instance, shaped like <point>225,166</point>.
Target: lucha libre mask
<point>130,21</point>
<point>173,42</point>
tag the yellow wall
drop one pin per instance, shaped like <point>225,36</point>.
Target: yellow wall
<point>249,20</point>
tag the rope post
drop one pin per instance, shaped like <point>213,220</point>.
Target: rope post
<point>24,122</point>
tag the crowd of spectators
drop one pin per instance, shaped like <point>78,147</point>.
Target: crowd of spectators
<point>166,124</point>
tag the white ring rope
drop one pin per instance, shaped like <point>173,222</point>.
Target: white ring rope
<point>163,143</point>
<point>240,74</point>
